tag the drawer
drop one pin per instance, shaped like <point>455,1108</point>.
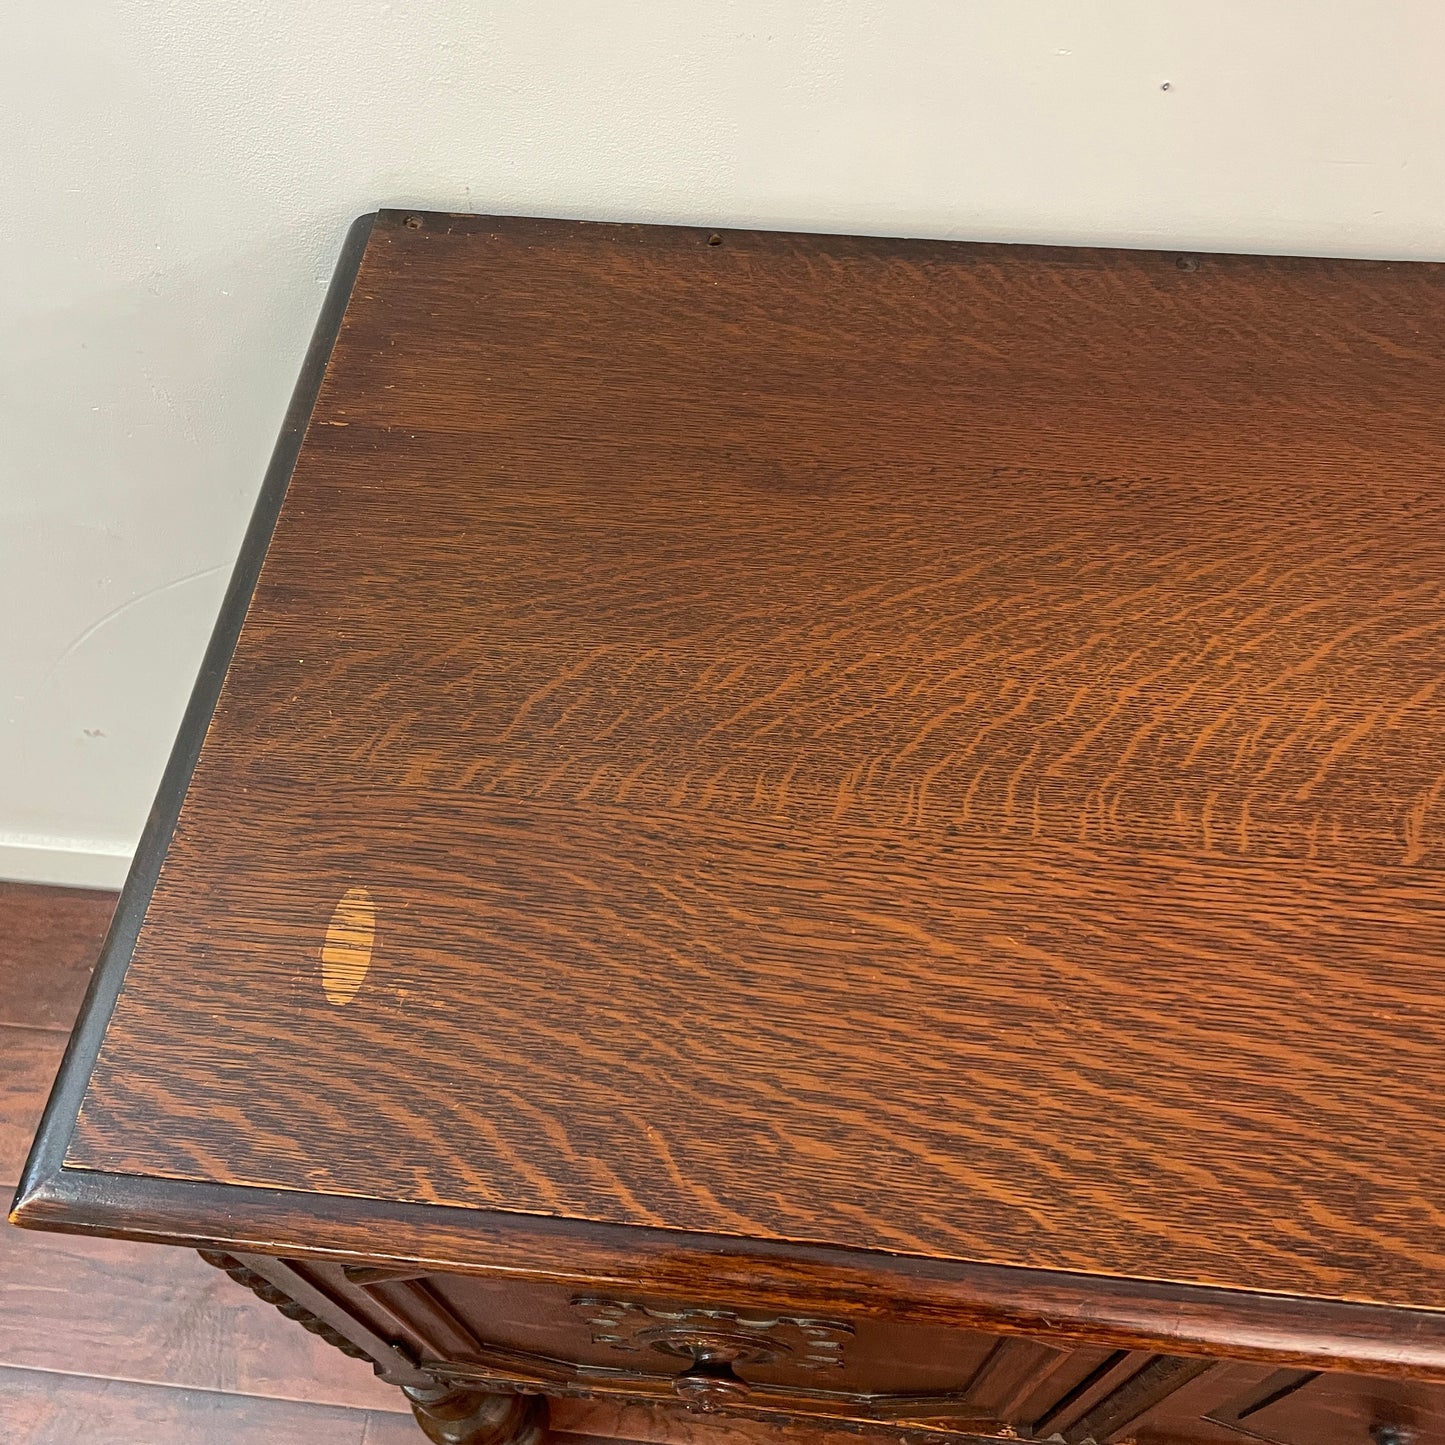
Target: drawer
<point>720,1355</point>
<point>929,1382</point>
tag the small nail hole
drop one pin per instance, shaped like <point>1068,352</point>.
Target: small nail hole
<point>413,223</point>
<point>714,239</point>
<point>1165,86</point>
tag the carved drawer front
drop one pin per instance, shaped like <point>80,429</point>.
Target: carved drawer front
<point>1301,1407</point>
<point>716,1355</point>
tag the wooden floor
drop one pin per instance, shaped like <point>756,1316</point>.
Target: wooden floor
<point>138,1345</point>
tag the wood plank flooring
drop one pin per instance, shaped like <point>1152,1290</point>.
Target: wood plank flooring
<point>133,1344</point>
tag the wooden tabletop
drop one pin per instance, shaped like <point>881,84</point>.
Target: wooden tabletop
<point>906,746</point>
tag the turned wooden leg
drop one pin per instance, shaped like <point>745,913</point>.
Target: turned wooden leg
<point>456,1415</point>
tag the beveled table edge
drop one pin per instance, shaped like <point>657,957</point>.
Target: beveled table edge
<point>792,1276</point>
<point>1128,1313</point>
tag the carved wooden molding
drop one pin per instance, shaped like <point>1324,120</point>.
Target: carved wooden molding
<point>264,1290</point>
<point>455,1415</point>
<point>710,1384</point>
<point>449,1413</point>
<point>691,1333</point>
<point>701,1355</point>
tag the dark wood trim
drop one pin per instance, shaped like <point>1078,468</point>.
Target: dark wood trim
<point>789,1277</point>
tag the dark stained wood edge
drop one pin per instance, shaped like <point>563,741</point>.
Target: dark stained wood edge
<point>788,1277</point>
<point>1128,1314</point>
<point>47,1154</point>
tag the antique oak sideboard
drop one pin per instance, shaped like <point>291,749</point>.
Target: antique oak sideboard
<point>794,837</point>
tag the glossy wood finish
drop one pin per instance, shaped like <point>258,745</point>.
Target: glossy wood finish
<point>819,773</point>
<point>1005,862</point>
<point>455,1415</point>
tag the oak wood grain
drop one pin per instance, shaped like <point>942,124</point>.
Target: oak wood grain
<point>980,1074</point>
<point>49,938</point>
<point>904,746</point>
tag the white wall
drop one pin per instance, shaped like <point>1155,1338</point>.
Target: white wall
<point>176,178</point>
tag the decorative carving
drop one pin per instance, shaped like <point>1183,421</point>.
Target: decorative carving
<point>714,1341</point>
<point>710,1384</point>
<point>448,1413</point>
<point>264,1290</point>
<point>455,1415</point>
<point>495,1395</point>
<point>715,1334</point>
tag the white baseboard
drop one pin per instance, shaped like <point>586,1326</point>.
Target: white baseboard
<point>62,862</point>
